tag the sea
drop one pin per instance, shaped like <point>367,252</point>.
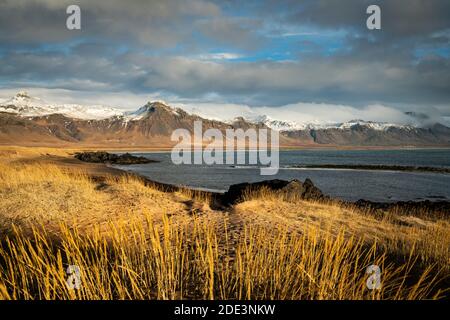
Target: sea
<point>346,184</point>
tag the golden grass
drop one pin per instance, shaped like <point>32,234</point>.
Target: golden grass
<point>397,233</point>
<point>150,261</point>
<point>46,194</point>
<point>132,241</point>
<point>15,152</point>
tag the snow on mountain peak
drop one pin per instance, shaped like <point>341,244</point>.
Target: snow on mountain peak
<point>22,95</point>
<point>161,104</point>
<point>23,99</point>
<point>148,108</point>
<point>25,105</point>
<point>369,124</point>
<point>281,125</point>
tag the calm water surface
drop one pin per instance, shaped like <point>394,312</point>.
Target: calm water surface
<point>345,184</point>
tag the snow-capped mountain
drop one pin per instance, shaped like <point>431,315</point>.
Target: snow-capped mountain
<point>278,125</point>
<point>25,119</point>
<point>27,106</point>
<point>281,125</point>
<point>148,108</point>
<point>369,124</point>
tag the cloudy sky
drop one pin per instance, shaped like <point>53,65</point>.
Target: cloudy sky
<point>311,60</point>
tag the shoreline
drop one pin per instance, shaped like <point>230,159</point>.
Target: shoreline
<point>99,171</point>
<point>220,197</point>
<point>369,167</point>
<point>220,202</point>
<point>157,149</point>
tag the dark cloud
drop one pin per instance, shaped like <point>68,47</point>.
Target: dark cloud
<point>340,79</point>
<point>151,46</point>
<point>400,18</point>
<point>153,23</point>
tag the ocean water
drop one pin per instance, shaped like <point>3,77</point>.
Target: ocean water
<point>383,186</point>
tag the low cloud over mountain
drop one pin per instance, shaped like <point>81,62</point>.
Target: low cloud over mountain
<point>29,120</point>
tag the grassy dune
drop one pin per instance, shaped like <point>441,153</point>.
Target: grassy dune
<point>132,241</point>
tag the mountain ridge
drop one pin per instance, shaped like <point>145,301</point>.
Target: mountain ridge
<point>25,119</point>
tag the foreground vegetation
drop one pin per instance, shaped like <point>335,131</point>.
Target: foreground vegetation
<point>131,241</point>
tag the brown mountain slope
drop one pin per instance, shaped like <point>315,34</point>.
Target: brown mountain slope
<point>152,128</point>
<point>153,124</point>
<point>358,135</point>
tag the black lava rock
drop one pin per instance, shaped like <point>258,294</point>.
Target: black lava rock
<point>105,157</point>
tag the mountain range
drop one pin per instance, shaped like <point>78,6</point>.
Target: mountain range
<point>26,120</point>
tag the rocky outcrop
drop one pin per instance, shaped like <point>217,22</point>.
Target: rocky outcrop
<point>289,190</point>
<point>105,157</point>
<point>295,189</point>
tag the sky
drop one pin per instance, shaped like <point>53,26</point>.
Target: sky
<point>311,60</point>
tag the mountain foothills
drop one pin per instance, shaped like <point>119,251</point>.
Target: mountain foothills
<point>26,120</point>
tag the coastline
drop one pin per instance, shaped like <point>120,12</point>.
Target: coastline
<point>100,170</point>
<point>393,168</point>
<point>168,148</point>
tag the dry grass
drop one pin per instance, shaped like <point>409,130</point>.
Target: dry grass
<point>398,233</point>
<point>131,241</point>
<point>16,152</point>
<point>168,261</point>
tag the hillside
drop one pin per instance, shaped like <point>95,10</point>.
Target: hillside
<point>26,120</point>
